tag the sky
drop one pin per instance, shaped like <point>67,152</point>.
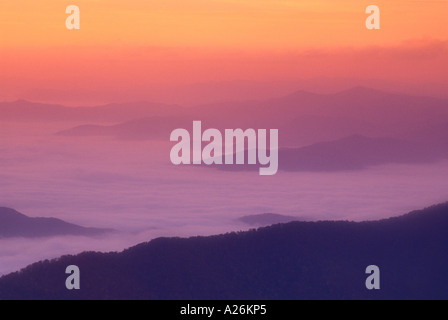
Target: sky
<point>136,46</point>
<point>242,24</point>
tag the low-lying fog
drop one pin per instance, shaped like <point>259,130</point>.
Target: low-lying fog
<point>132,187</point>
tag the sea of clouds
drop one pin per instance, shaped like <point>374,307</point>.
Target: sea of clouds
<point>132,187</point>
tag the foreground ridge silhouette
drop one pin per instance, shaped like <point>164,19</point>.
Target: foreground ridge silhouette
<point>298,260</point>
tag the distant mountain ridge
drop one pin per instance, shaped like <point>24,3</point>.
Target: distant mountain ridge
<point>22,110</point>
<point>302,118</point>
<point>298,260</point>
<point>145,128</point>
<point>352,153</point>
<point>358,152</point>
<point>15,224</point>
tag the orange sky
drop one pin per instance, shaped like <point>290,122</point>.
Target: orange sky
<point>250,24</point>
<point>142,42</point>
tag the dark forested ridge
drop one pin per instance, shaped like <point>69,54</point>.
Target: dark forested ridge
<point>267,219</point>
<point>298,260</point>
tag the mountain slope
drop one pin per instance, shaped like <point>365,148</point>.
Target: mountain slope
<point>15,224</point>
<point>323,260</point>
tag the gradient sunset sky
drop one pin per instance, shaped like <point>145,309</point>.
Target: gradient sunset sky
<point>135,44</point>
